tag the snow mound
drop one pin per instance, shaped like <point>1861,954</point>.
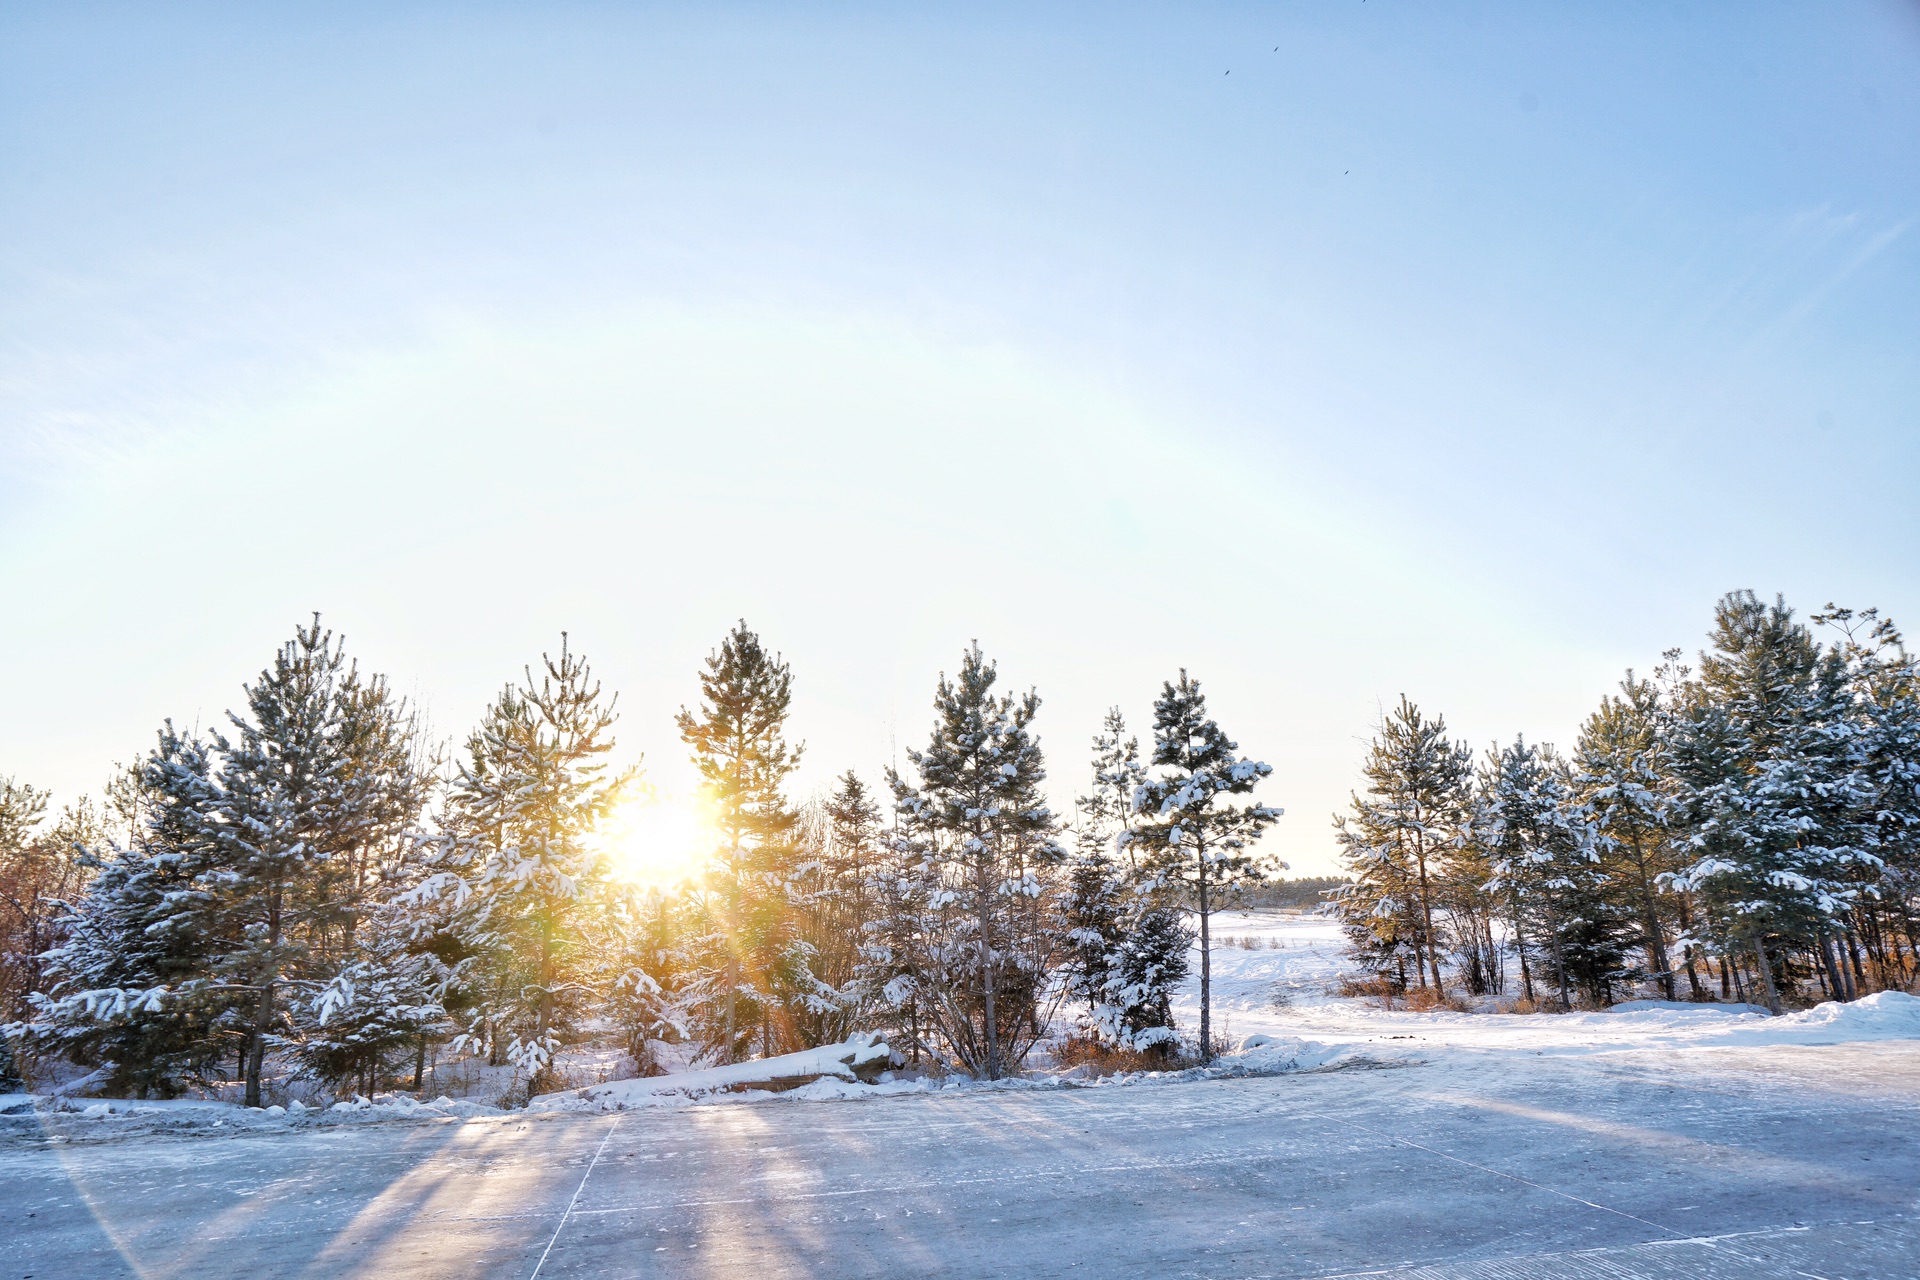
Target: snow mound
<point>462,1107</point>
<point>1892,1015</point>
<point>849,1064</point>
<point>1684,1006</point>
<point>1275,1056</point>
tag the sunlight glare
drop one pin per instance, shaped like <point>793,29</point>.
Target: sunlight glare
<point>658,839</point>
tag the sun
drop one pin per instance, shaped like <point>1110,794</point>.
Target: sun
<point>656,838</point>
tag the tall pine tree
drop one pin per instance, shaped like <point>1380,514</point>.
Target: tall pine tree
<point>1187,830</point>
<point>750,969</point>
<point>981,836</point>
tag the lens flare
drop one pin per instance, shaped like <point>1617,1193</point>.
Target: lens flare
<point>658,839</point>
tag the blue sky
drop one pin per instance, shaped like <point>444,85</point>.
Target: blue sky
<point>1330,351</point>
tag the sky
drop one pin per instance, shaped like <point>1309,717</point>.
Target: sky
<point>1331,352</point>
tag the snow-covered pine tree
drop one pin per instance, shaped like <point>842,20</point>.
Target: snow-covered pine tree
<point>1127,940</point>
<point>1396,842</point>
<point>311,794</point>
<point>372,1017</point>
<point>1471,909</point>
<point>127,987</point>
<point>984,841</point>
<point>746,957</point>
<point>1187,833</point>
<point>1619,779</point>
<point>1886,709</point>
<point>831,892</point>
<point>645,925</point>
<point>521,873</point>
<point>1545,862</point>
<point>1094,911</point>
<point>1771,784</point>
<point>892,976</point>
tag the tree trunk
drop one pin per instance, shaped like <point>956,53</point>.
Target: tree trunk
<point>985,906</point>
<point>1830,968</point>
<point>1693,978</point>
<point>1206,969</point>
<point>1650,912</point>
<point>1560,973</point>
<point>1765,971</point>
<point>1426,919</point>
<point>263,1011</point>
<point>257,1043</point>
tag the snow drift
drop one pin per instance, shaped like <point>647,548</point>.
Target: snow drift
<point>860,1058</point>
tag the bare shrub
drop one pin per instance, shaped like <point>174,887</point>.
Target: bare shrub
<point>1108,1060</point>
<point>1430,999</point>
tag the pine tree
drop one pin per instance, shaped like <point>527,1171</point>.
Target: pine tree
<point>1886,710</point>
<point>1770,782</point>
<point>1127,942</point>
<point>894,976</point>
<point>977,831</point>
<point>1620,780</point>
<point>1198,845</point>
<point>1397,840</point>
<point>1543,854</point>
<point>644,928</point>
<point>747,958</point>
<point>372,1016</point>
<point>128,989</point>
<point>831,894</point>
<point>521,872</point>
<point>22,880</point>
<point>310,794</point>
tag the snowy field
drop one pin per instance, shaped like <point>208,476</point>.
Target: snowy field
<point>1650,1142</point>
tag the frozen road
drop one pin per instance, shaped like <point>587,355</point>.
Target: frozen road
<point>1782,1161</point>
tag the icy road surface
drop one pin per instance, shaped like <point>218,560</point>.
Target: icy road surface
<point>1653,1143</point>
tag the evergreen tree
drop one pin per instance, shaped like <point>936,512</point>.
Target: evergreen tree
<point>1543,855</point>
<point>1196,842</point>
<point>521,872</point>
<point>977,832</point>
<point>310,795</point>
<point>1397,840</point>
<point>1770,784</point>
<point>128,989</point>
<point>372,1016</point>
<point>26,894</point>
<point>749,966</point>
<point>1886,712</point>
<point>831,893</point>
<point>1620,781</point>
<point>1127,942</point>
<point>645,925</point>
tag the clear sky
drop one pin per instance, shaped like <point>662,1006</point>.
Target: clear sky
<point>1330,351</point>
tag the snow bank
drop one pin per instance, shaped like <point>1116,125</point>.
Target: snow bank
<point>861,1057</point>
<point>1686,1006</point>
<point>1266,1055</point>
<point>1884,1015</point>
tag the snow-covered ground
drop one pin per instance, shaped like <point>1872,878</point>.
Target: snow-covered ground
<point>1722,1161</point>
<point>1282,984</point>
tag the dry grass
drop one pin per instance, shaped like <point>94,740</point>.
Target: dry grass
<point>1417,999</point>
<point>1428,999</point>
<point>1107,1060</point>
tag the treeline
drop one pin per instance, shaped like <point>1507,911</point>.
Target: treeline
<point>1749,829</point>
<point>315,889</point>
